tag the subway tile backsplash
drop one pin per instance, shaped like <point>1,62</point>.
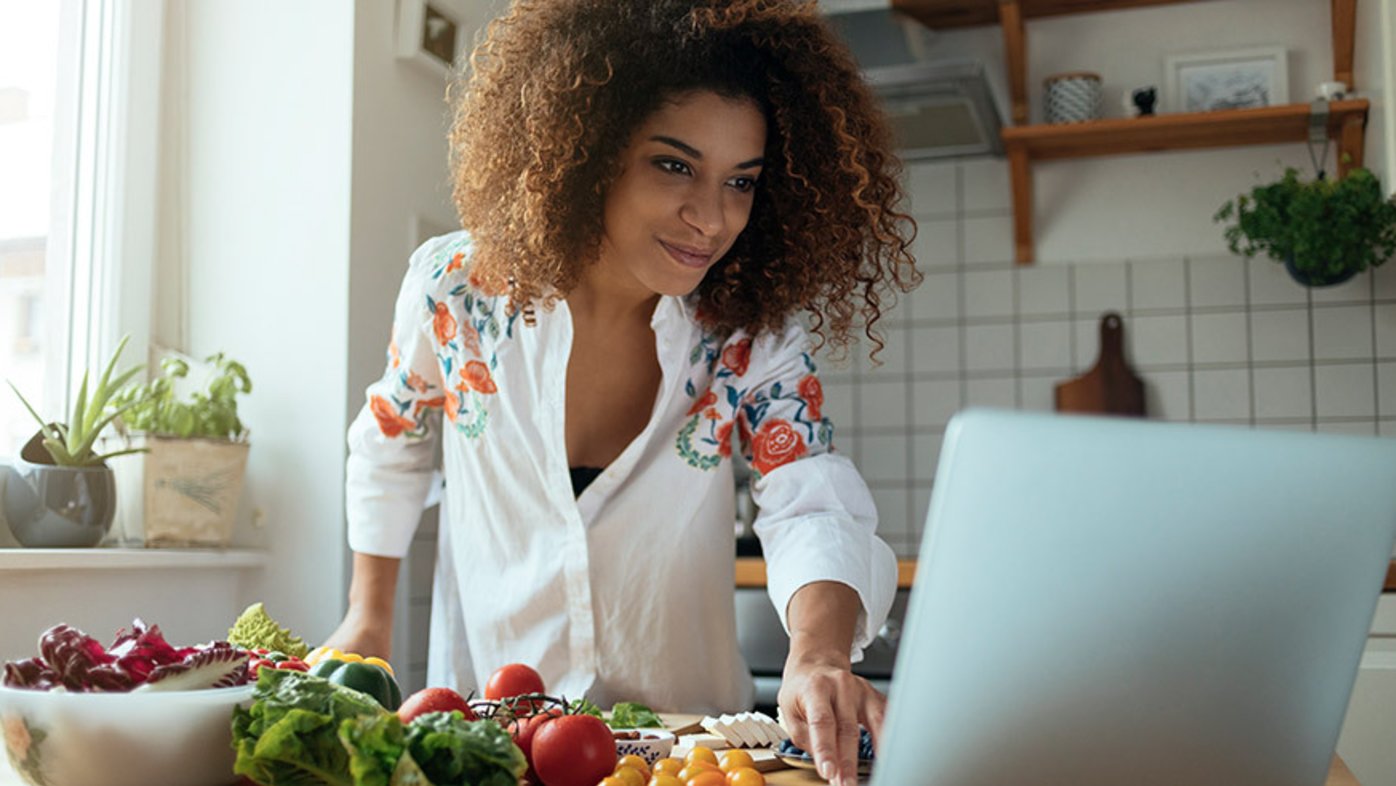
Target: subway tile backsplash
<point>1216,338</point>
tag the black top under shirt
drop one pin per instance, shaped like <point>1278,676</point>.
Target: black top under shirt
<point>582,477</point>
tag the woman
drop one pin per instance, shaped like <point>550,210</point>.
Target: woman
<point>655,194</point>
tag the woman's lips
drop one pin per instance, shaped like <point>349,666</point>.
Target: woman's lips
<point>688,257</point>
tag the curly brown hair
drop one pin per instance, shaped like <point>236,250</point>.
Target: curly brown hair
<point>556,90</point>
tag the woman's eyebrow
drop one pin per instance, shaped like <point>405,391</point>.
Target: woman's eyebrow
<point>692,151</point>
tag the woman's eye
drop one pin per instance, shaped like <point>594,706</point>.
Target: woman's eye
<point>744,185</point>
<point>673,167</point>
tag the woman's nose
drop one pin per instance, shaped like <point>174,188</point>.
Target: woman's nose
<point>703,211</point>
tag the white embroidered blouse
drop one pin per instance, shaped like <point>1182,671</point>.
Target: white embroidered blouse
<point>624,593</point>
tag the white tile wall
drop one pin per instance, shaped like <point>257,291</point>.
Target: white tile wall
<point>1217,338</point>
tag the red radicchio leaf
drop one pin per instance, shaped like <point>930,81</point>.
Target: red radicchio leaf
<point>142,650</point>
<point>72,654</point>
<point>33,674</point>
<point>217,665</point>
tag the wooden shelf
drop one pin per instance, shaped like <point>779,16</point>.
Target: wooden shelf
<point>942,14</point>
<point>102,558</point>
<point>1264,126</point>
<point>1025,143</point>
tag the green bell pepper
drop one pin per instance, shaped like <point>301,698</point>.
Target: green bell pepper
<point>363,677</point>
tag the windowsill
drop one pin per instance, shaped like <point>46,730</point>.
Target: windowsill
<point>21,559</point>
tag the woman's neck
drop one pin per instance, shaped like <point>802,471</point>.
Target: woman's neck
<point>600,296</point>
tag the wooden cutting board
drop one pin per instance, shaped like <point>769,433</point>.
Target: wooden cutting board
<point>1111,386</point>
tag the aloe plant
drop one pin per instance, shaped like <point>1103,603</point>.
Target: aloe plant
<point>71,444</point>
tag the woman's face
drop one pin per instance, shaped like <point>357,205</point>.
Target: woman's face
<point>684,193</point>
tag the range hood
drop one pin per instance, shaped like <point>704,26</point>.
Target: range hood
<point>938,107</point>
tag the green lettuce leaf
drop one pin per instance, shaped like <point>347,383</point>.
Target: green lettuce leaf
<point>629,715</point>
<point>375,744</point>
<point>290,734</point>
<point>452,751</point>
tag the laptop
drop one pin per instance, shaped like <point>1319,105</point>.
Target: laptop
<point>1115,601</point>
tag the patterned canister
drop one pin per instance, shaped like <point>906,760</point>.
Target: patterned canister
<point>1073,97</point>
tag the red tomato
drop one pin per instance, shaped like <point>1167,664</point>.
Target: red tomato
<point>574,750</point>
<point>515,679</point>
<point>433,700</point>
<point>523,732</point>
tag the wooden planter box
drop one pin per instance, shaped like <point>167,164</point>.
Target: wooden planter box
<point>183,492</point>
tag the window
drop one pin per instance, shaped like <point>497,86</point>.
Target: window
<point>79,88</point>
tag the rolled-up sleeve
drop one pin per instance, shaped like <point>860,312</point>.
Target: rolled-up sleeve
<point>392,441</point>
<point>816,518</point>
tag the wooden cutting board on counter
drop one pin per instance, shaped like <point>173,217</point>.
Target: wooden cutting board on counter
<point>1111,387</point>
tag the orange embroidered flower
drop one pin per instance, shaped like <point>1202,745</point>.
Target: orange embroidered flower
<point>470,338</point>
<point>452,405</point>
<point>393,353</point>
<point>389,421</point>
<point>706,400</point>
<point>476,376</point>
<point>416,382</point>
<point>724,439</point>
<point>456,262</point>
<point>444,324</point>
<point>775,445</point>
<point>813,394</point>
<point>428,403</point>
<point>738,356</point>
<point>711,413</point>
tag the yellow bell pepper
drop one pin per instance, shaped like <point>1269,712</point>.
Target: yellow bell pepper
<point>329,653</point>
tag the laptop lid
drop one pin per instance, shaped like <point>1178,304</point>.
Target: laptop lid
<point>1111,601</point>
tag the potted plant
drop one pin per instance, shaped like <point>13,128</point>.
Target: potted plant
<point>60,492</point>
<point>184,488</point>
<point>1324,231</point>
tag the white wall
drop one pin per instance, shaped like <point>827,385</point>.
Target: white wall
<point>401,194</point>
<point>266,208</point>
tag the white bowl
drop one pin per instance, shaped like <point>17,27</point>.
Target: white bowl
<point>175,738</point>
<point>653,745</point>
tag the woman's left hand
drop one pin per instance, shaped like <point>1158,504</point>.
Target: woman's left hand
<point>822,702</point>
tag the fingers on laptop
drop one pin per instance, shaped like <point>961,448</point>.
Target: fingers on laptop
<point>831,721</point>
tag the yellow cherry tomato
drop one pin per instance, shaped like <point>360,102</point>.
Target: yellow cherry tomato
<point>734,759</point>
<point>663,779</point>
<point>668,766</point>
<point>627,776</point>
<point>694,770</point>
<point>636,763</point>
<point>610,780</point>
<point>707,778</point>
<point>745,776</point>
<point>701,753</point>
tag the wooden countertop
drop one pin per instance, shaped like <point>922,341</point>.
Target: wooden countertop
<point>777,774</point>
<point>1338,775</point>
<point>751,572</point>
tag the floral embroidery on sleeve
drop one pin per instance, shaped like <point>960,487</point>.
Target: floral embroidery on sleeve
<point>776,423</point>
<point>456,317</point>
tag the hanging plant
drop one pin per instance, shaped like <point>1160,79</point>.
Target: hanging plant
<point>1323,231</point>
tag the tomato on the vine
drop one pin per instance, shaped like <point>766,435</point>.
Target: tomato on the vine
<point>523,731</point>
<point>574,750</point>
<point>515,679</point>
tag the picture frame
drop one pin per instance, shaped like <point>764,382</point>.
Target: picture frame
<point>1234,79</point>
<point>429,36</point>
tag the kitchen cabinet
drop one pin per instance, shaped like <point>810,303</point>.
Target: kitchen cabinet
<point>1025,143</point>
<point>751,572</point>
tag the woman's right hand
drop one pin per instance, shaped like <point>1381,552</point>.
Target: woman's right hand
<point>362,634</point>
<point>367,628</point>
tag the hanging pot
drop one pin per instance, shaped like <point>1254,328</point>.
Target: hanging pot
<point>1318,279</point>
